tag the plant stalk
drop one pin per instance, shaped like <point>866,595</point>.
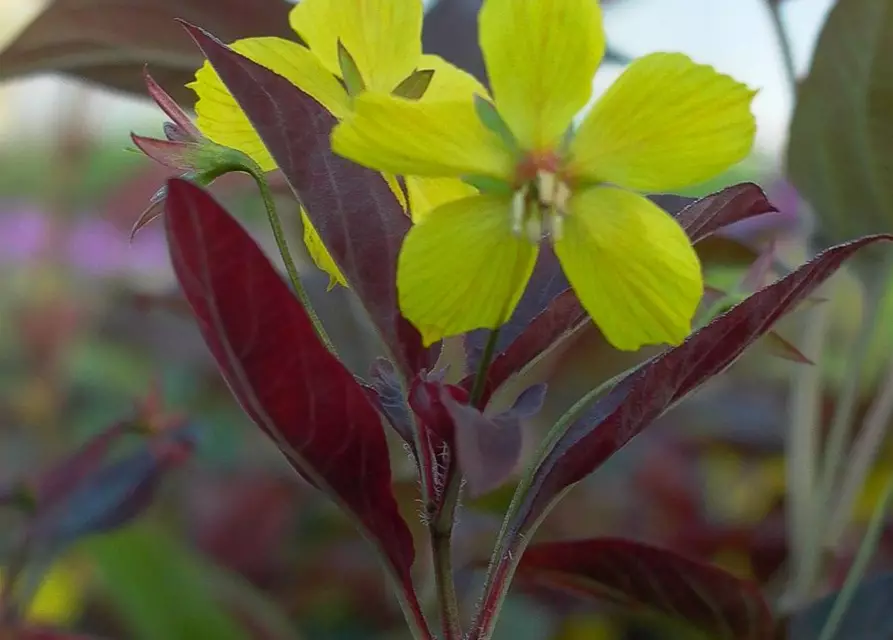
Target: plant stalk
<point>290,267</point>
<point>784,43</point>
<point>441,528</point>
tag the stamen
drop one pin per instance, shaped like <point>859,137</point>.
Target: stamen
<point>556,225</point>
<point>519,210</point>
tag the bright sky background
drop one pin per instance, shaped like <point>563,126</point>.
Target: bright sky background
<point>736,36</point>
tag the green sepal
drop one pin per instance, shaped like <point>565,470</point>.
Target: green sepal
<point>350,73</point>
<point>415,85</point>
<point>491,119</point>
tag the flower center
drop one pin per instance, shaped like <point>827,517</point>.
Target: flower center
<point>539,207</point>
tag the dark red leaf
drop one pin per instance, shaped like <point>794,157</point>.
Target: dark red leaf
<point>113,494</point>
<point>640,398</point>
<point>57,482</point>
<point>356,214</point>
<point>110,41</point>
<point>708,215</point>
<point>290,385</point>
<point>563,316</point>
<point>642,577</point>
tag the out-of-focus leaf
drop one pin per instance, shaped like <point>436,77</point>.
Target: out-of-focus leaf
<point>356,214</point>
<point>563,317</point>
<point>867,618</point>
<point>287,382</point>
<point>841,140</point>
<point>109,41</point>
<point>109,496</point>
<point>69,472</point>
<point>639,399</point>
<point>650,579</point>
<point>159,588</point>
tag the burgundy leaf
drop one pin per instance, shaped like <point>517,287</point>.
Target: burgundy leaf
<point>110,41</point>
<point>287,382</point>
<point>640,398</point>
<point>783,348</point>
<point>733,204</point>
<point>56,483</point>
<point>653,580</point>
<point>564,314</point>
<point>356,214</point>
<point>113,494</point>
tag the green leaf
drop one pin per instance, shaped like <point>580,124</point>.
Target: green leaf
<point>415,85</point>
<point>159,587</point>
<point>841,143</point>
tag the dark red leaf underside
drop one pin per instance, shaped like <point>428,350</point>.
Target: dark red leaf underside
<point>564,314</point>
<point>288,383</point>
<point>653,580</point>
<point>638,400</point>
<point>356,214</point>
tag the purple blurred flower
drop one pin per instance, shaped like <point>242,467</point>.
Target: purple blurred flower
<point>89,245</point>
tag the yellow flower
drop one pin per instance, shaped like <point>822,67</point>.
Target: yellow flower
<point>666,123</point>
<point>353,47</point>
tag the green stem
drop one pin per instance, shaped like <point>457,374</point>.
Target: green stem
<point>860,563</point>
<point>784,43</point>
<point>290,267</point>
<point>802,455</point>
<point>441,528</point>
<point>841,421</point>
<point>480,378</point>
<point>861,459</point>
<point>505,558</point>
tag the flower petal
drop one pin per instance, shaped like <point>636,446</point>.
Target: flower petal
<point>426,194</point>
<point>541,57</point>
<point>666,123</point>
<point>319,254</point>
<point>632,267</point>
<point>384,37</point>
<point>221,119</point>
<point>426,138</point>
<point>461,268</point>
<point>449,82</point>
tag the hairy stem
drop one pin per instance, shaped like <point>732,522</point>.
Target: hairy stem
<point>441,528</point>
<point>290,267</point>
<point>511,543</point>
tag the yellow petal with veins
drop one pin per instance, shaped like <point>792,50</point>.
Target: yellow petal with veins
<point>461,268</point>
<point>221,119</point>
<point>666,123</point>
<point>426,194</point>
<point>541,58</point>
<point>632,267</point>
<point>424,138</point>
<point>384,37</point>
<point>449,82</point>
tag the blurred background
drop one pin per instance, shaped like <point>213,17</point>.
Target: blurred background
<point>233,546</point>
